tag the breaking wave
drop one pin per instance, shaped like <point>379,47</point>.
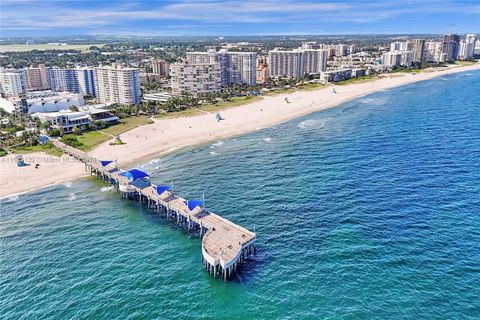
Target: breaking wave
<point>217,144</point>
<point>106,189</point>
<point>312,124</point>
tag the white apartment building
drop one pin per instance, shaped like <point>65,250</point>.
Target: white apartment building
<point>236,67</point>
<point>12,83</point>
<point>195,78</point>
<point>467,47</point>
<point>398,46</point>
<point>335,75</point>
<point>434,51</point>
<point>476,50</point>
<point>117,85</point>
<point>63,79</point>
<point>297,63</point>
<point>86,81</point>
<point>416,46</point>
<point>78,80</point>
<point>392,58</point>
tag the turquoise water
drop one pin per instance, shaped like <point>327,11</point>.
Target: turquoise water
<point>367,211</point>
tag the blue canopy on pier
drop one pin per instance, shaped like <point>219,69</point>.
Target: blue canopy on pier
<point>105,163</point>
<point>162,189</point>
<point>192,204</point>
<point>134,174</point>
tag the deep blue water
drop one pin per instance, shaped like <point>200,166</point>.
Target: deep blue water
<point>367,211</point>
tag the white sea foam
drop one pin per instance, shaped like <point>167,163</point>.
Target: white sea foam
<point>67,184</point>
<point>213,153</point>
<point>106,189</point>
<point>72,196</point>
<point>312,124</point>
<point>367,100</point>
<point>154,161</point>
<point>217,144</point>
<point>12,199</point>
<point>268,139</point>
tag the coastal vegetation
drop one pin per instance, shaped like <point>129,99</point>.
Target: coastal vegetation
<point>356,80</point>
<point>48,148</point>
<point>87,140</point>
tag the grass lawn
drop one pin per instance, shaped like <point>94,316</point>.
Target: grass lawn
<point>465,63</point>
<point>127,124</point>
<point>407,71</point>
<point>43,47</point>
<point>48,148</point>
<point>355,80</point>
<point>309,86</point>
<point>190,112</point>
<point>279,91</point>
<point>91,139</point>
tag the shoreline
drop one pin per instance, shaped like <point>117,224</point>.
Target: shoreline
<point>170,135</point>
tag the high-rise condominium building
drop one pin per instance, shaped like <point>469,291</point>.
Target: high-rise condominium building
<point>467,47</point>
<point>37,78</point>
<point>262,73</point>
<point>418,49</point>
<point>86,81</point>
<point>13,83</point>
<point>398,46</point>
<point>62,79</point>
<point>78,80</point>
<point>451,43</point>
<point>160,67</point>
<point>236,67</point>
<point>117,85</point>
<point>397,58</point>
<point>476,50</point>
<point>434,52</point>
<point>195,78</point>
<point>392,58</point>
<point>297,63</point>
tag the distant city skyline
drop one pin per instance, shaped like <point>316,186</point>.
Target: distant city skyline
<point>211,18</point>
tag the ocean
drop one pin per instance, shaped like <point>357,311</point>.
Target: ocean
<point>370,210</point>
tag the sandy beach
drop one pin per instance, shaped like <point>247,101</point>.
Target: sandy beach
<point>169,135</point>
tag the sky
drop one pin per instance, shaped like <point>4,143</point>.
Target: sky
<point>229,17</point>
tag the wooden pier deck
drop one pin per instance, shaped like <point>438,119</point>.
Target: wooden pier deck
<point>225,244</point>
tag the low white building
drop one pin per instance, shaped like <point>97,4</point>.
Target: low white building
<point>335,75</point>
<point>101,115</point>
<point>65,119</point>
<point>48,101</point>
<point>356,73</point>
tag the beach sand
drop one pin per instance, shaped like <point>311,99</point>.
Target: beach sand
<point>167,135</point>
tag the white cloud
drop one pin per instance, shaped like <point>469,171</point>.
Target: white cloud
<point>31,15</point>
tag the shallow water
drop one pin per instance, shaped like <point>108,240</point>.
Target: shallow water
<point>369,210</point>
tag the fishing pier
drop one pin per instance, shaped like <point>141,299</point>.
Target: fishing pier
<point>225,245</point>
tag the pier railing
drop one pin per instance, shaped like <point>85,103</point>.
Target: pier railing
<point>225,245</point>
